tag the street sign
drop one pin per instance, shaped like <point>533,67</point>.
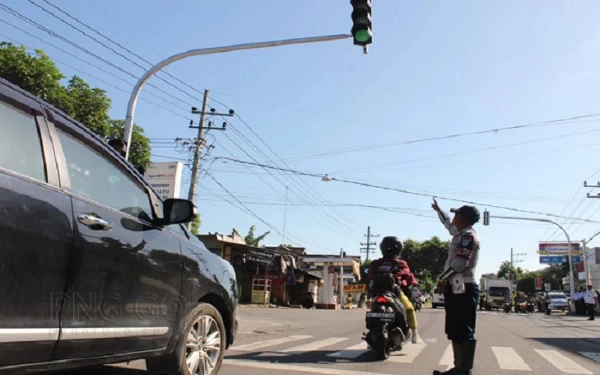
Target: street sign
<point>538,283</point>
<point>355,288</point>
<point>547,287</point>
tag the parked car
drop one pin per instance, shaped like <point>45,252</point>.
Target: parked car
<point>94,267</point>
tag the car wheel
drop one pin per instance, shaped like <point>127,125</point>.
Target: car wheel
<point>201,345</point>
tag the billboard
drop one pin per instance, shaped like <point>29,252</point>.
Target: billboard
<point>165,178</point>
<point>557,252</point>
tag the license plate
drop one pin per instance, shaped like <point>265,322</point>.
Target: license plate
<point>441,300</point>
<point>381,316</point>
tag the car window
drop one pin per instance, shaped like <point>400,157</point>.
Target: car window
<point>96,178</point>
<point>20,145</point>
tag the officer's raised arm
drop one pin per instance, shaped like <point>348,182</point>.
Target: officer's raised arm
<point>444,218</point>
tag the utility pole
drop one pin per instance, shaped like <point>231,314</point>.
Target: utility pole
<point>198,150</point>
<point>585,184</point>
<point>284,216</point>
<point>342,278</point>
<point>200,141</point>
<point>368,245</point>
<point>512,257</point>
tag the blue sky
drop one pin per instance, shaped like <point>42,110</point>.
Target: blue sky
<point>435,68</point>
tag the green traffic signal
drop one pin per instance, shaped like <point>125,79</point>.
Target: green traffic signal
<point>361,22</point>
<point>362,36</point>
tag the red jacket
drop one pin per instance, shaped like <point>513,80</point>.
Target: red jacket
<point>395,266</point>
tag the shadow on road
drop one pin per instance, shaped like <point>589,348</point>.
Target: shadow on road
<point>312,357</point>
<point>575,345</point>
<point>106,370</point>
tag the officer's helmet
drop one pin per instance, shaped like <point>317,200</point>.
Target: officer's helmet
<point>391,246</point>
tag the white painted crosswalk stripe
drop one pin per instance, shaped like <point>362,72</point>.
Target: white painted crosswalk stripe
<point>563,363</point>
<point>268,343</point>
<point>508,359</point>
<point>315,345</point>
<point>408,353</point>
<point>351,352</point>
<point>447,358</point>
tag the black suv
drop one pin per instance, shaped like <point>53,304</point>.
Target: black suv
<point>94,267</point>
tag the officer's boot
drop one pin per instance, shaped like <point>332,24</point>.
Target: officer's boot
<point>457,349</point>
<point>468,357</point>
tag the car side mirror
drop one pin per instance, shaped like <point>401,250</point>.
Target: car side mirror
<point>177,211</point>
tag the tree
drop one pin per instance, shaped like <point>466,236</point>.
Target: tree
<point>37,74</point>
<point>251,239</point>
<point>506,269</point>
<point>195,229</point>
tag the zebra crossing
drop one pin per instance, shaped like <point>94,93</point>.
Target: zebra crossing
<point>342,349</point>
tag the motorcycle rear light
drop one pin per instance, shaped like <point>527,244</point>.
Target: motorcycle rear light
<point>381,300</point>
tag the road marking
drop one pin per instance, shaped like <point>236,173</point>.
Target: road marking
<point>563,363</point>
<point>351,352</point>
<point>408,353</point>
<point>264,344</point>
<point>448,358</point>
<point>592,356</point>
<point>508,359</point>
<point>315,345</point>
<point>286,367</point>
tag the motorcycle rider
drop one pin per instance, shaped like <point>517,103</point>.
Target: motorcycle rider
<point>390,263</point>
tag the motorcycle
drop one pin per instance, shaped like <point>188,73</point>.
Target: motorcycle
<point>530,307</point>
<point>416,301</point>
<point>507,307</point>
<point>386,320</point>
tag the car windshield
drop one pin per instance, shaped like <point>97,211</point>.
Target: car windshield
<point>498,292</point>
<point>558,296</point>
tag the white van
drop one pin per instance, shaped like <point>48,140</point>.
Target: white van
<point>438,300</point>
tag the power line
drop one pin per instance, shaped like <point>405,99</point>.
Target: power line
<point>457,135</point>
<point>404,191</point>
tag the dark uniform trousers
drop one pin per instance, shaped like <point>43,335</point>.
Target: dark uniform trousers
<point>461,312</point>
<point>461,318</point>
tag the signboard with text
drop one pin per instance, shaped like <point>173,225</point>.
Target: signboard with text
<point>538,283</point>
<point>557,252</point>
<point>165,178</point>
<point>263,257</point>
<point>355,288</point>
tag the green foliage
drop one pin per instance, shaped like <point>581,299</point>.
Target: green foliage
<point>506,269</point>
<point>552,275</point>
<point>39,75</point>
<point>195,229</point>
<point>426,259</point>
<point>251,239</point>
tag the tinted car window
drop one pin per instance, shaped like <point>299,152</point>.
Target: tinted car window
<point>20,146</point>
<point>96,178</point>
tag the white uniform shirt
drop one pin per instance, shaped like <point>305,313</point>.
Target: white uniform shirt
<point>590,297</point>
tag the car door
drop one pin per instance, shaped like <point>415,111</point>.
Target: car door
<point>125,273</point>
<point>36,233</point>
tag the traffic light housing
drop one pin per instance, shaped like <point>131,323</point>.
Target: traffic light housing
<point>486,217</point>
<point>361,22</point>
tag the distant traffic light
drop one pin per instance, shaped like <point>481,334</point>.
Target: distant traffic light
<point>361,19</point>
<point>486,217</point>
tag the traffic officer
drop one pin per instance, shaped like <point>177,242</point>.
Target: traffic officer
<point>461,290</point>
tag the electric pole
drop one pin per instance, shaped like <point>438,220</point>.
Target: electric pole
<point>585,184</point>
<point>200,141</point>
<point>368,245</point>
<point>512,257</point>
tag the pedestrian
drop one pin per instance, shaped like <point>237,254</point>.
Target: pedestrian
<point>590,300</point>
<point>460,288</point>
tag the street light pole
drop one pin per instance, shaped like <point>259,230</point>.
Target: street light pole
<point>207,51</point>
<point>571,278</point>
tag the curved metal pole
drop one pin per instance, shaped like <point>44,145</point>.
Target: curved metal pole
<point>207,51</point>
<point>571,278</point>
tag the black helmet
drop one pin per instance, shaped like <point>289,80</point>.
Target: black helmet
<point>391,246</point>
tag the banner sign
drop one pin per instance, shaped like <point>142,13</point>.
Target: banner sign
<point>538,283</point>
<point>557,252</point>
<point>355,288</point>
<point>263,257</point>
<point>165,178</point>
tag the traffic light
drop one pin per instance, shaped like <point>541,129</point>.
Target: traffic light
<point>361,19</point>
<point>486,217</point>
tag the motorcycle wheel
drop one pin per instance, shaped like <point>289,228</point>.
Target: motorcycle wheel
<point>382,349</point>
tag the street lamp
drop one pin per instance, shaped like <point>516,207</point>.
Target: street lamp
<point>207,51</point>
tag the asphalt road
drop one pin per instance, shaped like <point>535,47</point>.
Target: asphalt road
<point>286,341</point>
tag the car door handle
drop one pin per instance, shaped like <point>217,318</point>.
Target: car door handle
<point>94,222</point>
